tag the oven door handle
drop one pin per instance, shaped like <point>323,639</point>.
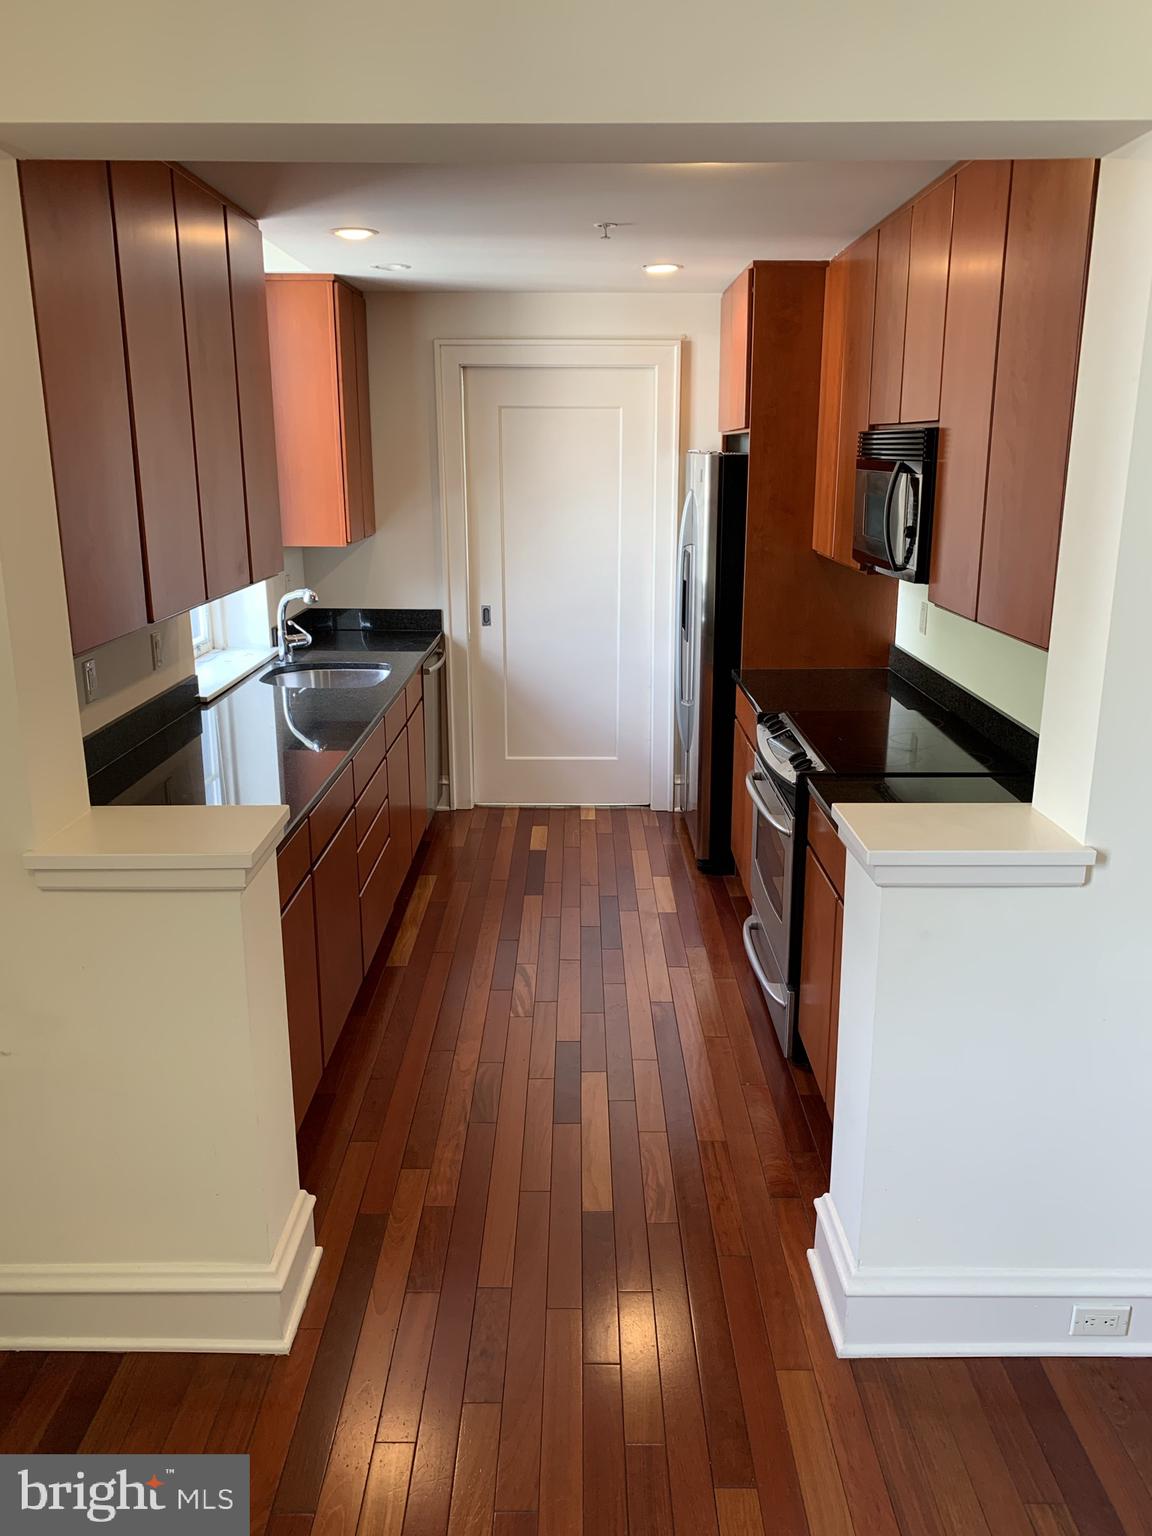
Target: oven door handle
<point>776,993</point>
<point>761,805</point>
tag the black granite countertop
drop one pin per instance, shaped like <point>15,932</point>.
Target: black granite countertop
<point>900,733</point>
<point>263,745</point>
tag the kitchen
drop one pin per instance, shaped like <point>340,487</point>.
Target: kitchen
<point>792,398</point>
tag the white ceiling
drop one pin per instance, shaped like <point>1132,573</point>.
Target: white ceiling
<point>521,227</point>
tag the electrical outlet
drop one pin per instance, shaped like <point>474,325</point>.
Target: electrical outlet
<point>91,682</point>
<point>157,649</point>
<point>1100,1322</point>
<point>924,618</point>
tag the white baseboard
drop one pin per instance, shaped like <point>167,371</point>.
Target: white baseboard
<point>894,1312</point>
<point>235,1308</point>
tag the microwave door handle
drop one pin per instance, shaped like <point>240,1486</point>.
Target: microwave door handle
<point>759,802</point>
<point>911,527</point>
<point>776,993</point>
<point>898,472</point>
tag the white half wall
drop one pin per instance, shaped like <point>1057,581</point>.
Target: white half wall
<point>402,565</point>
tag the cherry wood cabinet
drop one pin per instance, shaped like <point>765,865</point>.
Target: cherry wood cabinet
<point>824,527</point>
<point>254,395</point>
<point>149,300</point>
<point>417,776</point>
<point>212,372</point>
<point>743,761</point>
<point>736,352</point>
<point>318,342</point>
<point>818,1004</point>
<point>893,249</point>
<point>75,286</point>
<point>302,989</point>
<point>968,379</point>
<point>336,879</point>
<point>149,260</point>
<point>928,255</point>
<point>400,799</point>
<point>1050,212</point>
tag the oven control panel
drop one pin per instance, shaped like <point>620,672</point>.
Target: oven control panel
<point>783,749</point>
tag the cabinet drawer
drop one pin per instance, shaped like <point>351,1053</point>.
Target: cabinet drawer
<point>336,886</point>
<point>746,716</point>
<point>378,898</point>
<point>825,843</point>
<point>293,861</point>
<point>330,812</point>
<point>369,758</point>
<point>414,691</point>
<point>370,800</point>
<point>372,843</point>
<point>395,719</point>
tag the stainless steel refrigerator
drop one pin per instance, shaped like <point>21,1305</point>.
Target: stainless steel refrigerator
<point>710,598</point>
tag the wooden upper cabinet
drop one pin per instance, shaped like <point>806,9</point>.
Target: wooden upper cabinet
<point>736,353</point>
<point>859,304</point>
<point>72,259</point>
<point>928,252</point>
<point>317,335</point>
<point>254,395</point>
<point>893,245</point>
<point>968,377</point>
<point>212,372</point>
<point>1045,266</point>
<point>145,220</point>
<point>828,426</point>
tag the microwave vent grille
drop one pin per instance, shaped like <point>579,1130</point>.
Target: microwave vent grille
<point>917,443</point>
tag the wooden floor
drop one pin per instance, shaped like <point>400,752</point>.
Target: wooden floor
<point>564,1188</point>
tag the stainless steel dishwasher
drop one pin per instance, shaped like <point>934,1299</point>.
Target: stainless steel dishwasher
<point>436,727</point>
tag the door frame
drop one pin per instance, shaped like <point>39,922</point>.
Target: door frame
<point>662,356</point>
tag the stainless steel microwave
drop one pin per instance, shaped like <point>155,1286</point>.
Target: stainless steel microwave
<point>895,490</point>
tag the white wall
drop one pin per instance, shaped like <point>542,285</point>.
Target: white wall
<point>1004,672</point>
<point>402,565</point>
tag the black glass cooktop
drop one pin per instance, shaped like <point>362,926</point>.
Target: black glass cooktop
<point>873,722</point>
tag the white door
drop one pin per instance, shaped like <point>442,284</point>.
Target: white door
<point>560,483</point>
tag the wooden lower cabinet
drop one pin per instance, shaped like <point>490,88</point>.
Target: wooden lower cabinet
<point>400,799</point>
<point>302,984</point>
<point>337,888</point>
<point>743,761</point>
<point>819,1005</point>
<point>417,776</point>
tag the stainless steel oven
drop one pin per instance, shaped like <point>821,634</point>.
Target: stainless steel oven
<point>768,931</point>
<point>895,489</point>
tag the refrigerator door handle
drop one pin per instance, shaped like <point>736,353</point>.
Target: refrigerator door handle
<point>687,626</point>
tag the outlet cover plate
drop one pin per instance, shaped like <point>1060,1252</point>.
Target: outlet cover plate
<point>1100,1322</point>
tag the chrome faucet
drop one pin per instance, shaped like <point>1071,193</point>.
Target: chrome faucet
<point>286,643</point>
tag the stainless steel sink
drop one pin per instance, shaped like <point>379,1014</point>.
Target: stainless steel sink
<point>352,676</point>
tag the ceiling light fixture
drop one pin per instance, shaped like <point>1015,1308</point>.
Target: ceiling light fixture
<point>355,232</point>
<point>391,266</point>
<point>662,268</point>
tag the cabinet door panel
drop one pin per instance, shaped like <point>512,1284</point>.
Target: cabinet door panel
<point>72,259</point>
<point>417,776</point>
<point>892,252</point>
<point>834,1012</point>
<point>302,985</point>
<point>968,377</point>
<point>927,297</point>
<point>347,370</point>
<point>735,353</point>
<point>364,405</point>
<point>306,409</point>
<point>828,430</point>
<point>400,803</point>
<point>743,760</point>
<point>254,393</point>
<point>817,962</point>
<point>1045,265</point>
<point>149,261</point>
<point>212,371</point>
<point>336,881</point>
<point>860,296</point>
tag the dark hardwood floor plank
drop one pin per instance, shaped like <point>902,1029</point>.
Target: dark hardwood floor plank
<point>518,1475</point>
<point>605,1490</point>
<point>561,1430</point>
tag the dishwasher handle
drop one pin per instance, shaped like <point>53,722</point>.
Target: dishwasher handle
<point>437,664</point>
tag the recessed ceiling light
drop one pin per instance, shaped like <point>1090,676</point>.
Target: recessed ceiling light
<point>662,268</point>
<point>355,232</point>
<point>391,266</point>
